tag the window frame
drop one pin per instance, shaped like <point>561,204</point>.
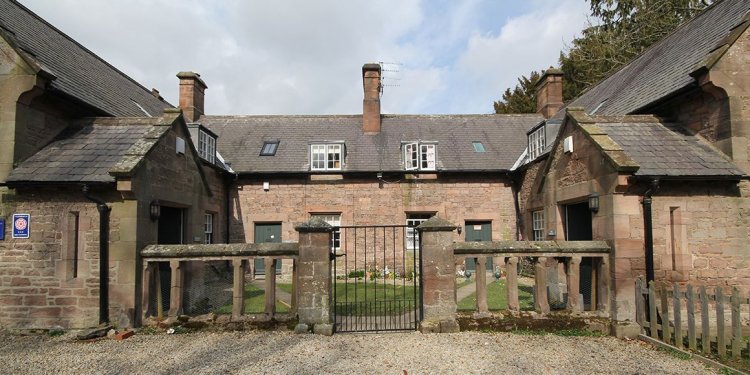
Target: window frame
<point>537,142</point>
<point>274,148</point>
<point>537,225</point>
<point>333,219</point>
<point>411,235</point>
<point>478,146</point>
<point>420,156</point>
<point>327,157</point>
<point>206,146</point>
<point>208,228</point>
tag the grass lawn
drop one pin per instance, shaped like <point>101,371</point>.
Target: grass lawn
<point>497,297</point>
<point>255,301</point>
<point>375,299</point>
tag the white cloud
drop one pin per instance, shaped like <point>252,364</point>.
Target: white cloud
<point>293,57</point>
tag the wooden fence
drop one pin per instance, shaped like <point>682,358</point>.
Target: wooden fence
<point>660,308</point>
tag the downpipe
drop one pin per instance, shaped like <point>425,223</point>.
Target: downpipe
<point>648,229</point>
<point>104,211</point>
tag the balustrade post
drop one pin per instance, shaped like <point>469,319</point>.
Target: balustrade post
<point>270,284</point>
<point>511,283</point>
<point>147,276</point>
<point>175,294</point>
<point>541,304</point>
<point>238,287</point>
<point>602,284</point>
<point>573,279</point>
<point>481,284</point>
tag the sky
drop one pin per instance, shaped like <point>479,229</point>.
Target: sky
<point>305,57</point>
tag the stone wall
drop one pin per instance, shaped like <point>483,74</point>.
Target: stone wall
<point>364,201</point>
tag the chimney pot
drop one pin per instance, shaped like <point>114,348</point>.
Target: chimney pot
<point>371,80</point>
<point>192,90</point>
<point>549,92</point>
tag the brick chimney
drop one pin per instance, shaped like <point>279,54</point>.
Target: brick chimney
<point>371,102</point>
<point>549,93</point>
<point>191,95</point>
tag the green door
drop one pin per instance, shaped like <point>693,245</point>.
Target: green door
<point>477,231</point>
<point>265,233</point>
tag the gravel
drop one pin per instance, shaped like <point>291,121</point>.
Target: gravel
<point>281,352</point>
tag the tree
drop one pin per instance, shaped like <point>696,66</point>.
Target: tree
<point>618,31</point>
<point>523,97</point>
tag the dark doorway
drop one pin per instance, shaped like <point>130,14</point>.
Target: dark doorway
<point>578,228</point>
<point>170,232</point>
<point>477,231</point>
<point>266,233</point>
<point>170,226</point>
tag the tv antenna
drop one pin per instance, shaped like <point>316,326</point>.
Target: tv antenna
<point>389,75</point>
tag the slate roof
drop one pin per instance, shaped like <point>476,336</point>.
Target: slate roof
<point>664,68</point>
<point>656,149</point>
<point>79,72</point>
<point>503,137</point>
<point>89,149</point>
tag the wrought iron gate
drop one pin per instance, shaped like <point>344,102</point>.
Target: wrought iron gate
<point>376,278</point>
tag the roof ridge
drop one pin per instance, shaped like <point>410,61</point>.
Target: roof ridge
<point>66,36</point>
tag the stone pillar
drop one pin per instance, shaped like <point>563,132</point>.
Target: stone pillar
<point>270,285</point>
<point>573,272</point>
<point>148,275</point>
<point>238,288</point>
<point>541,305</point>
<point>175,294</point>
<point>511,284</point>
<point>602,285</point>
<point>314,277</point>
<point>438,276</point>
<point>482,308</point>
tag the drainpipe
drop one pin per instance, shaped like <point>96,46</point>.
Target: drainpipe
<point>228,203</point>
<point>103,254</point>
<point>516,204</point>
<point>648,229</point>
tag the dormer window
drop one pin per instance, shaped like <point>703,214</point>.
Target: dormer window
<point>326,157</point>
<point>537,143</point>
<point>206,146</point>
<point>420,156</point>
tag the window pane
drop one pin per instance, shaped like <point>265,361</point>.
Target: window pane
<point>428,157</point>
<point>478,146</point>
<point>333,220</point>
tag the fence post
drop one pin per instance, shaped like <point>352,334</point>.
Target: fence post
<point>238,288</point>
<point>175,294</point>
<point>511,273</point>
<point>653,323</point>
<point>692,344</point>
<point>736,327</point>
<point>705,332</point>
<point>541,305</point>
<point>314,275</point>
<point>481,278</point>
<point>438,276</point>
<point>666,334</point>
<point>573,279</point>
<point>677,317</point>
<point>721,341</point>
<point>270,286</point>
<point>640,305</point>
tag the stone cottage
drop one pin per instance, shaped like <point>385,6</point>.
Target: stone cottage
<point>653,159</point>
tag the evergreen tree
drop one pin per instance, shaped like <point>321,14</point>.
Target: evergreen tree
<point>523,97</point>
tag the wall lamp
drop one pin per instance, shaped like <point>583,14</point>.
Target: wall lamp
<point>154,210</point>
<point>594,202</point>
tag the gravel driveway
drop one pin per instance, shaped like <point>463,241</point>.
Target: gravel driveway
<point>287,353</point>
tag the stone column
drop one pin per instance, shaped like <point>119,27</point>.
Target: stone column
<point>573,271</point>
<point>314,277</point>
<point>438,276</point>
<point>482,308</point>
<point>175,294</point>
<point>511,284</point>
<point>541,305</point>
<point>238,288</point>
<point>148,276</point>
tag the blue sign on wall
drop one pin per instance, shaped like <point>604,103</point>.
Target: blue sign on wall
<point>2,229</point>
<point>21,225</point>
